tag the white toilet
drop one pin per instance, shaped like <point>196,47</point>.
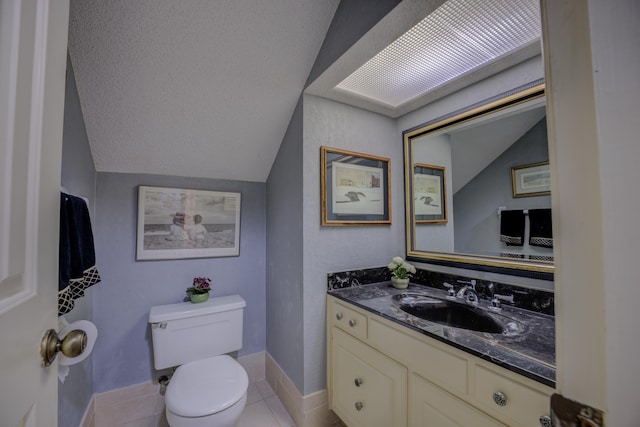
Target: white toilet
<point>209,388</point>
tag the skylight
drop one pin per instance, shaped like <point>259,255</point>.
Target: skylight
<point>458,37</point>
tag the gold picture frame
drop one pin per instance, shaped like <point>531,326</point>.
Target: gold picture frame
<point>354,188</point>
<point>430,194</point>
<point>531,180</point>
<point>177,223</point>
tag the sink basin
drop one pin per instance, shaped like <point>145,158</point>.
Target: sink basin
<point>458,315</point>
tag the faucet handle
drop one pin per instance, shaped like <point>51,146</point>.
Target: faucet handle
<point>451,292</point>
<point>496,305</point>
<point>472,297</point>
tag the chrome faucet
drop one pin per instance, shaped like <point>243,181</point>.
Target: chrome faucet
<point>468,292</point>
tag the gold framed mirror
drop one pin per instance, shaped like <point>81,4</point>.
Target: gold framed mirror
<point>479,146</point>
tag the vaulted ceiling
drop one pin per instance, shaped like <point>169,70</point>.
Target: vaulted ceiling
<point>205,88</point>
<point>194,88</point>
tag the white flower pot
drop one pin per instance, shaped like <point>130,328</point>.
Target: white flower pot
<point>400,283</point>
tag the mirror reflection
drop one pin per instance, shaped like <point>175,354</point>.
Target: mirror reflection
<point>478,187</point>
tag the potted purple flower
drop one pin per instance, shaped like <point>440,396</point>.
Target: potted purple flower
<point>199,290</point>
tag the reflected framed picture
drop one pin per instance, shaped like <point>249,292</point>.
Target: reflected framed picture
<point>176,223</point>
<point>354,188</point>
<point>429,194</point>
<point>531,180</point>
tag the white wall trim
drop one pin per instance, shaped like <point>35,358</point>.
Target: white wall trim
<point>151,401</point>
<point>311,410</point>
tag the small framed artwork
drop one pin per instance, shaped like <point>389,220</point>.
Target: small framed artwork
<point>354,188</point>
<point>176,223</point>
<point>429,194</point>
<point>531,180</point>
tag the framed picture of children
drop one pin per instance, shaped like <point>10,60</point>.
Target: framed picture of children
<point>176,223</point>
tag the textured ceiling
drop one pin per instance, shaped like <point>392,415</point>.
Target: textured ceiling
<point>192,88</point>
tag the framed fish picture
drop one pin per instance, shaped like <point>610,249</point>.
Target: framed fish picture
<point>429,194</point>
<point>355,188</point>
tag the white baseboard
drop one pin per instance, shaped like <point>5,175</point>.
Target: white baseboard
<point>89,417</point>
<point>307,411</point>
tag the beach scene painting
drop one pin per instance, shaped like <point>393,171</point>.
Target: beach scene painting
<point>178,223</point>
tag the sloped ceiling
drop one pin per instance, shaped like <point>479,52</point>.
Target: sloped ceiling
<point>192,88</point>
<point>474,148</point>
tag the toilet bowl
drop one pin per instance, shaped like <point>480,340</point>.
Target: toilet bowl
<point>210,392</point>
<point>208,388</point>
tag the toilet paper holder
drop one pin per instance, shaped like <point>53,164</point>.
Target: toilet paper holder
<point>72,345</point>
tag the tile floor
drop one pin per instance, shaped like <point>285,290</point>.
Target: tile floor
<point>263,409</point>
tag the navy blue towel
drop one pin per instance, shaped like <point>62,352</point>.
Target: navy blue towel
<point>512,227</point>
<point>540,230</point>
<point>77,269</point>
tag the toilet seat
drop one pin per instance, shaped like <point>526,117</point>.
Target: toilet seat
<point>206,386</point>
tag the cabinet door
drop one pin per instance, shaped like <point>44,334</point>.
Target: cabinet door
<point>431,406</point>
<point>369,389</point>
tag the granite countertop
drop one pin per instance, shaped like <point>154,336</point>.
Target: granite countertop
<point>531,353</point>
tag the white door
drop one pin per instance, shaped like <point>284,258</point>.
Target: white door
<point>33,42</point>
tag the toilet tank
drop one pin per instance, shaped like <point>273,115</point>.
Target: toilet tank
<point>185,332</point>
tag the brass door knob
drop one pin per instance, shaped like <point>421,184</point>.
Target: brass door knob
<point>72,345</point>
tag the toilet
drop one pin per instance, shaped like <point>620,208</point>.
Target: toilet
<point>208,388</point>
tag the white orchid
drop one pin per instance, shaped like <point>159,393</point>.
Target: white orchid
<point>400,268</point>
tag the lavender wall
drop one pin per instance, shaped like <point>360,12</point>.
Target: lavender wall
<point>329,249</point>
<point>284,254</point>
<point>295,297</point>
<point>79,178</point>
<point>123,353</point>
<point>475,204</point>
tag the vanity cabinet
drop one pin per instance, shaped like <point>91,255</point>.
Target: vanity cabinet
<point>370,388</point>
<point>432,406</point>
<point>381,373</point>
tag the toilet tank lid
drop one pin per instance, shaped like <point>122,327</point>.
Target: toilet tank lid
<point>164,313</point>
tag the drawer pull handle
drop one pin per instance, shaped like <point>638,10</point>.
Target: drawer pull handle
<point>545,421</point>
<point>358,382</point>
<point>352,323</point>
<point>339,316</point>
<point>358,406</point>
<point>500,398</point>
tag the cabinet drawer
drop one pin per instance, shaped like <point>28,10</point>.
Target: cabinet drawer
<point>369,389</point>
<point>521,402</point>
<point>349,320</point>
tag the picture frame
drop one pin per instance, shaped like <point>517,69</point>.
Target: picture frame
<point>429,194</point>
<point>354,188</point>
<point>531,180</point>
<point>177,223</point>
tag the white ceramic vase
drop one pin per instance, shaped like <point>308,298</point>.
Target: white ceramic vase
<point>400,283</point>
